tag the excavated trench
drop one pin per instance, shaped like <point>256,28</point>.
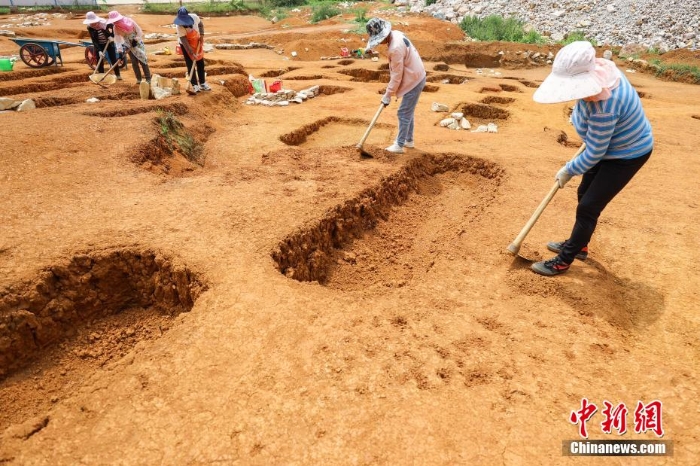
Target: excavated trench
<point>370,239</point>
<point>447,79</point>
<point>484,112</point>
<point>39,313</point>
<point>278,73</point>
<point>492,99</point>
<point>299,136</point>
<point>34,73</point>
<point>367,76</point>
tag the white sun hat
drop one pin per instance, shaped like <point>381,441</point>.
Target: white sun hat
<point>576,74</point>
<point>91,18</point>
<point>378,29</point>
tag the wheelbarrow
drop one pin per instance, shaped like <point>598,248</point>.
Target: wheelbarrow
<point>38,53</point>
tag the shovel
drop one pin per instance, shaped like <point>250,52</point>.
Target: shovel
<point>514,247</point>
<point>362,141</point>
<point>99,62</point>
<point>105,78</point>
<point>189,89</point>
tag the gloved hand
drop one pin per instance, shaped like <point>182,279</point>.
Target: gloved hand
<point>386,100</point>
<point>101,54</point>
<point>134,43</point>
<point>110,39</point>
<point>563,176</point>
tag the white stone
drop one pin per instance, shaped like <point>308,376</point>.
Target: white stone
<point>437,107</point>
<point>447,122</point>
<point>92,100</point>
<point>7,103</point>
<point>481,129</point>
<point>492,128</point>
<point>27,104</point>
<point>457,115</point>
<point>464,123</point>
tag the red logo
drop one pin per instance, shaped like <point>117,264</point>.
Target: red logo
<point>646,417</point>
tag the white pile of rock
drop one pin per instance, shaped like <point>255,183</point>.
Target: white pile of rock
<point>158,35</point>
<point>457,121</point>
<point>283,97</point>
<point>663,25</point>
<point>162,87</point>
<point>16,105</point>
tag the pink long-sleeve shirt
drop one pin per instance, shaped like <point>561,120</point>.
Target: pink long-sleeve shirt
<point>405,65</point>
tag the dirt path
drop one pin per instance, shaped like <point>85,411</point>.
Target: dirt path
<point>287,302</point>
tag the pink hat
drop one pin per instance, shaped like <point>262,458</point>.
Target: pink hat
<point>91,18</point>
<point>114,16</point>
<point>576,74</point>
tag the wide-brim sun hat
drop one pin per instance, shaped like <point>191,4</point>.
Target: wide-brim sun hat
<point>576,74</point>
<point>114,16</point>
<point>378,30</point>
<point>91,18</point>
<point>183,18</point>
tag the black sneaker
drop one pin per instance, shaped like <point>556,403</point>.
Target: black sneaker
<point>553,266</point>
<point>557,246</point>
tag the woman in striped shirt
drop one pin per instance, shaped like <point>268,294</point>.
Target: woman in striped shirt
<point>102,34</point>
<point>609,117</point>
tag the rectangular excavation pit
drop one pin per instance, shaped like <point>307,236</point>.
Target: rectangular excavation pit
<point>72,318</point>
<point>334,132</point>
<point>386,235</point>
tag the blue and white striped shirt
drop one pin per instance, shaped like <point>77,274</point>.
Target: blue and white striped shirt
<point>615,128</point>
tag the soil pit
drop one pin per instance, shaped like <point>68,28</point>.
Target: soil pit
<point>493,99</point>
<point>75,317</point>
<point>367,76</point>
<point>369,240</point>
<point>336,132</point>
<point>447,79</point>
<point>485,112</point>
<point>277,73</point>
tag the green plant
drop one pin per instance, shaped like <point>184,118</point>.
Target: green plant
<point>286,3</point>
<point>324,11</point>
<point>575,36</point>
<point>177,137</point>
<point>677,69</point>
<point>4,10</point>
<point>361,16</point>
<point>496,28</point>
<point>429,2</point>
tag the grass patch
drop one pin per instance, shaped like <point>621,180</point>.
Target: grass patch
<point>178,138</point>
<point>678,70</point>
<point>323,11</point>
<point>496,28</point>
<point>361,16</point>
<point>4,10</point>
<point>576,36</point>
<point>208,8</point>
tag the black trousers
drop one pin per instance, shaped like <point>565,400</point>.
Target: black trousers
<point>111,54</point>
<point>200,68</point>
<point>598,187</point>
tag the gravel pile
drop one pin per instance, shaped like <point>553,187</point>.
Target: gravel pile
<point>661,24</point>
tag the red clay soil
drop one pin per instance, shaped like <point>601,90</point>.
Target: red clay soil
<point>196,280</point>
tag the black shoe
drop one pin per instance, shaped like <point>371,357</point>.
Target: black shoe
<point>557,246</point>
<point>553,266</point>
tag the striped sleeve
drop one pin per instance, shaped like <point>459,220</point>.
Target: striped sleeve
<point>597,135</point>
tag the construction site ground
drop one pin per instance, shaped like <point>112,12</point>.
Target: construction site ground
<point>195,280</point>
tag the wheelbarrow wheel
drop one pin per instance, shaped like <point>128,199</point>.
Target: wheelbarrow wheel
<point>91,56</point>
<point>34,55</point>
